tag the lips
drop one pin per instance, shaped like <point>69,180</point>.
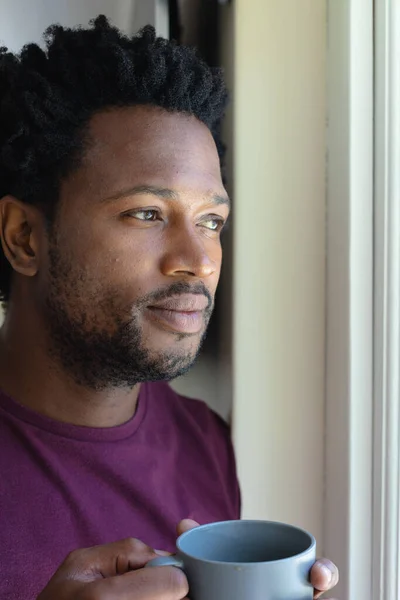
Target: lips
<point>180,314</point>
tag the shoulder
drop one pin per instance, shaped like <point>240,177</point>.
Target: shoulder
<point>195,413</point>
<point>201,429</point>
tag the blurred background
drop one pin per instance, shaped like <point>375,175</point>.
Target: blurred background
<point>303,352</point>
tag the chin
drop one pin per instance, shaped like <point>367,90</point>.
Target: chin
<point>163,340</point>
<point>185,348</point>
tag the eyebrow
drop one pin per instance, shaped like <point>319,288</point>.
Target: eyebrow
<point>164,193</point>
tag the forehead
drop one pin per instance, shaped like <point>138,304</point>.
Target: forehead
<point>149,145</point>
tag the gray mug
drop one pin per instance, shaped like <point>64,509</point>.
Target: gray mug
<point>245,560</point>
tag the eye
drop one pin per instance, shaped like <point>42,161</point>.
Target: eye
<point>148,214</point>
<point>213,223</point>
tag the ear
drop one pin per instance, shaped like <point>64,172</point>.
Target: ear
<point>20,229</point>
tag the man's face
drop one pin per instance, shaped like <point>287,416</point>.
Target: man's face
<point>135,255</point>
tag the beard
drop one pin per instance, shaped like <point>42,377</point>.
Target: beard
<point>99,341</point>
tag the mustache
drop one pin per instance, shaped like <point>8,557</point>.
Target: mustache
<point>177,289</point>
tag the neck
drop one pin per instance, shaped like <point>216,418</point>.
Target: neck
<point>30,375</point>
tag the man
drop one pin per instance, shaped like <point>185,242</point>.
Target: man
<point>111,211</point>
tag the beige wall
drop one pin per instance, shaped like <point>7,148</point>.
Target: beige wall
<point>279,256</point>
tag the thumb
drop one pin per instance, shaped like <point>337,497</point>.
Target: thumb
<point>186,525</point>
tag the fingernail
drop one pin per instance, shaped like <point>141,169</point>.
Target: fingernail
<point>327,572</point>
<point>161,553</point>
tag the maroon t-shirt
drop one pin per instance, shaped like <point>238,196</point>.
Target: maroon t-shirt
<point>64,487</point>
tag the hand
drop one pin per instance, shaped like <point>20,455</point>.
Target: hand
<point>115,572</point>
<point>324,574</point>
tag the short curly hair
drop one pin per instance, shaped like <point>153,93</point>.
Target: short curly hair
<point>47,97</point>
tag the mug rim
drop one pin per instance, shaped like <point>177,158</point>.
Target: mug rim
<point>182,537</point>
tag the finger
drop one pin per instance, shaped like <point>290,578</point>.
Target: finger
<point>324,576</point>
<point>186,525</point>
<point>109,560</point>
<point>158,583</point>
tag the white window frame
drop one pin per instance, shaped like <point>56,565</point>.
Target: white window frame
<point>386,506</point>
<point>349,354</point>
<point>362,505</point>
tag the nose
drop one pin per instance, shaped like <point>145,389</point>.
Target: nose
<point>188,254</point>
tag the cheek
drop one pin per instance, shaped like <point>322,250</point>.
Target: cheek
<point>118,258</point>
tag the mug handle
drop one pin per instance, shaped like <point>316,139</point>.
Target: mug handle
<point>166,561</point>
